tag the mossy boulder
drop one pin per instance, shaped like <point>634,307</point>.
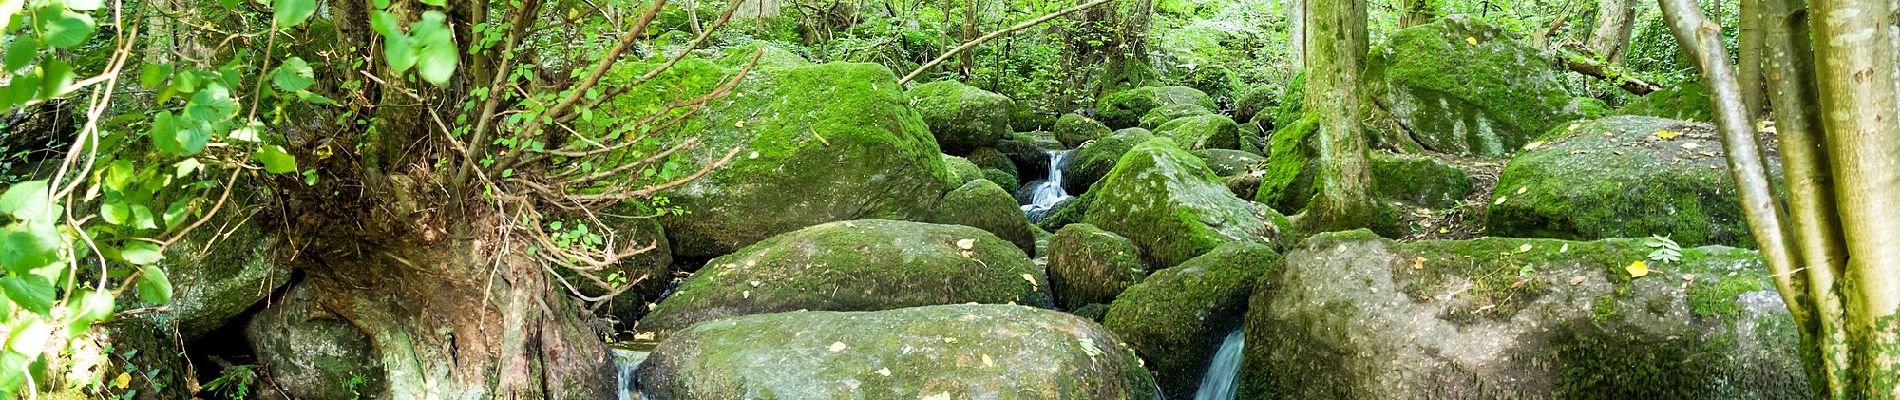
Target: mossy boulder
<point>1462,87</point>
<point>962,117</point>
<point>1354,316</point>
<point>1074,129</point>
<point>862,152</point>
<point>1418,180</point>
<point>1688,101</point>
<point>770,57</point>
<point>984,205</point>
<point>1090,265</point>
<point>1255,100</point>
<point>1124,109</point>
<point>1065,213</point>
<point>863,265</point>
<point>1176,318</point>
<point>1226,162</point>
<point>1166,201</point>
<point>1026,117</point>
<point>1163,114</point>
<point>962,170</point>
<point>988,158</point>
<point>309,351</point>
<point>952,351</point>
<point>1041,139</point>
<point>1031,160</point>
<point>1616,177</point>
<point>1094,160</point>
<point>1287,183</point>
<point>1206,131</point>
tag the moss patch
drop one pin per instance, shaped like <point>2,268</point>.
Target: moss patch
<point>1170,204</point>
<point>1124,109</point>
<point>1463,87</point>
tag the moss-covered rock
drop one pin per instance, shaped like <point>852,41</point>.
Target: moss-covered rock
<point>1355,316</point>
<point>1092,161</point>
<point>1065,213</point>
<point>1124,109</point>
<point>862,265</point>
<point>1226,162</point>
<point>1031,160</point>
<point>984,205</point>
<point>1207,131</point>
<point>1616,177</point>
<point>770,57</point>
<point>309,351</point>
<point>1026,117</point>
<point>1177,317</point>
<point>953,351</point>
<point>1041,139</point>
<point>1255,100</point>
<point>1462,87</point>
<point>962,117</point>
<point>1089,265</point>
<point>1170,205</point>
<point>1688,101</point>
<point>988,158</point>
<point>962,170</point>
<point>1074,129</point>
<point>1418,180</point>
<point>861,152</point>
<point>1292,103</point>
<point>1163,114</point>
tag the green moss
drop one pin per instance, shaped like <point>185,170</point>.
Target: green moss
<point>1093,161</point>
<point>1292,104</point>
<point>1462,87</point>
<point>984,205</point>
<point>1164,114</point>
<point>1255,100</point>
<point>989,159</point>
<point>1067,213</point>
<point>962,117</point>
<point>1717,298</point>
<point>1125,109</point>
<point>1089,265</point>
<point>1604,309</point>
<point>1287,184</point>
<point>1176,318</point>
<point>1074,129</point>
<point>1418,180</point>
<point>1170,204</point>
<point>1688,101</point>
<point>962,169</point>
<point>1205,131</point>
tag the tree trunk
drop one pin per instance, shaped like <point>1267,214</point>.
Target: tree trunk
<point>1417,12</point>
<point>1335,46</point>
<point>1108,45</point>
<point>1855,66</point>
<point>968,58</point>
<point>1749,45</point>
<point>1615,19</point>
<point>1296,34</point>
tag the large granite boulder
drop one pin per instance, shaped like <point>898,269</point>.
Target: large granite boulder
<point>1168,202</point>
<point>962,117</point>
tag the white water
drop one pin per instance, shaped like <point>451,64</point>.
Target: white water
<point>1046,195</point>
<point>626,362</point>
<point>1222,379</point>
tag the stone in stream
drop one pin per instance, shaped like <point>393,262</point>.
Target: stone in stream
<point>1353,316</point>
<point>1089,265</point>
<point>984,205</point>
<point>937,352</point>
<point>1164,114</point>
<point>1124,109</point>
<point>310,352</point>
<point>862,152</point>
<point>1619,177</point>
<point>962,117</point>
<point>862,265</point>
<point>1207,131</point>
<point>1461,87</point>
<point>1030,159</point>
<point>1170,205</point>
<point>1176,318</point>
<point>1092,161</point>
<point>1074,129</point>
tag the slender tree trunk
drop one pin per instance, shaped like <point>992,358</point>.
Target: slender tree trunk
<point>1615,19</point>
<point>1335,46</point>
<point>968,58</point>
<point>1296,34</point>
<point>1749,45</point>
<point>1855,65</point>
<point>1417,12</point>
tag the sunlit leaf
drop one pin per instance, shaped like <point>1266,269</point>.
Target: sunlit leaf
<point>31,292</point>
<point>141,253</point>
<point>294,75</point>
<point>27,201</point>
<point>1638,269</point>
<point>290,13</point>
<point>154,287</point>
<point>276,160</point>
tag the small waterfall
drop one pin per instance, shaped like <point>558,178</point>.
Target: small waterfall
<point>1048,193</point>
<point>1222,381</point>
<point>626,362</point>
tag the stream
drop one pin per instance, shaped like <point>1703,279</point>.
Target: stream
<point>1222,380</point>
<point>1046,194</point>
<point>627,360</point>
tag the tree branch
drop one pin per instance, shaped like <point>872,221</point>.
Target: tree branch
<point>993,35</point>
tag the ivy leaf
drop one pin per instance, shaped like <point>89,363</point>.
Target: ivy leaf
<point>27,201</point>
<point>154,287</point>
<point>294,75</point>
<point>289,13</point>
<point>31,292</point>
<point>276,160</point>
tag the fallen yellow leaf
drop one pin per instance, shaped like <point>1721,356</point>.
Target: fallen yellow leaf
<point>1524,248</point>
<point>1638,269</point>
<point>1522,189</point>
<point>1667,135</point>
<point>122,381</point>
<point>1472,40</point>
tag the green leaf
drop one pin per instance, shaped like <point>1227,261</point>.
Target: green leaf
<point>436,55</point>
<point>141,253</point>
<point>294,75</point>
<point>276,160</point>
<point>289,13</point>
<point>84,5</point>
<point>90,306</point>
<point>187,167</point>
<point>212,104</point>
<point>30,339</point>
<point>142,217</point>
<point>64,29</point>
<point>56,78</point>
<point>115,212</point>
<point>31,292</point>
<point>176,213</point>
<point>164,134</point>
<point>29,246</point>
<point>154,287</point>
<point>27,201</point>
<point>118,174</point>
<point>20,53</point>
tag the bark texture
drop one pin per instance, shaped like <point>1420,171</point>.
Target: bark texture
<point>1336,43</point>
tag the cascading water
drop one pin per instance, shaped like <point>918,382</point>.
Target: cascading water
<point>626,362</point>
<point>1046,195</point>
<point>1222,379</point>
